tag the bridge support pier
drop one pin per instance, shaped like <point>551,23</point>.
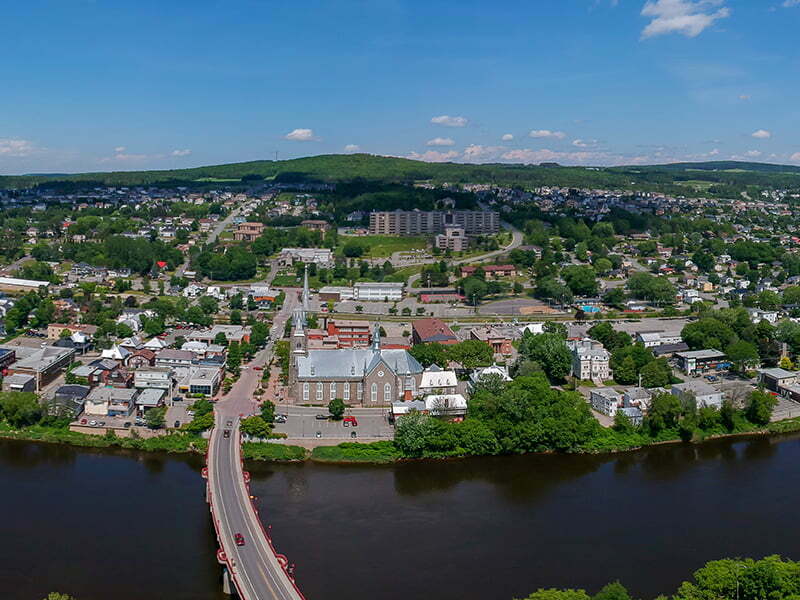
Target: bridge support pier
<point>227,588</point>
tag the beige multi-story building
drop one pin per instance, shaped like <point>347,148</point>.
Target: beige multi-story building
<point>420,222</point>
<point>247,232</point>
<point>590,361</point>
<point>453,239</point>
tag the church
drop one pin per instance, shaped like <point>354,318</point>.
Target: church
<point>359,376</point>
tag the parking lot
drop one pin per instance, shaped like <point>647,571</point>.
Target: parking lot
<point>302,423</point>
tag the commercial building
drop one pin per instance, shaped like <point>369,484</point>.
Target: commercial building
<point>491,271</point>
<point>704,394</point>
<point>43,364</point>
<point>154,378</point>
<point>498,338</point>
<point>322,257</point>
<point>232,333</point>
<point>701,360</point>
<point>13,284</point>
<point>110,402</point>
<point>367,291</point>
<point>19,383</point>
<point>653,339</point>
<point>776,378</point>
<point>418,222</point>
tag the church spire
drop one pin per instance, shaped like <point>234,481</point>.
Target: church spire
<point>376,338</point>
<point>306,293</point>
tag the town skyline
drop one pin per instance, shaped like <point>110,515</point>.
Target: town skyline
<point>582,82</point>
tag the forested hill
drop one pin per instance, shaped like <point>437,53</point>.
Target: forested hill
<point>712,178</point>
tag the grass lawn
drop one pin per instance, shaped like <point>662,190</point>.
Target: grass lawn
<point>376,452</point>
<point>268,451</point>
<point>383,246</point>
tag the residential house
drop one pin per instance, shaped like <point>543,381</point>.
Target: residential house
<point>426,331</point>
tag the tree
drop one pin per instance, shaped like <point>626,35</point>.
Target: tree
<point>256,426</point>
<point>580,279</point>
<point>155,418</point>
<point>665,409</point>
<point>200,422</point>
<point>656,373</point>
<point>550,351</point>
<point>429,354</point>
<point>336,408</point>
<point>259,334</point>
<point>625,373</point>
<point>234,357</point>
<point>743,355</point>
<point>612,591</point>
<point>554,594</point>
<point>471,353</point>
<point>759,407</point>
<point>208,305</point>
<point>475,289</point>
<point>221,339</point>
<point>708,332</point>
<point>623,423</point>
<point>58,596</point>
<point>268,411</point>
<point>20,409</point>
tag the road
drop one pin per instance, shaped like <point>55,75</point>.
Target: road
<point>254,567</point>
<point>516,241</point>
<point>212,237</point>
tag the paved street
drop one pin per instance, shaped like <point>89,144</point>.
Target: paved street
<point>302,423</point>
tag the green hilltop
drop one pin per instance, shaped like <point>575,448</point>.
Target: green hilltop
<point>721,178</point>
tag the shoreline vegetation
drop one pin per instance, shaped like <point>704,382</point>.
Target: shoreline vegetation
<point>384,452</point>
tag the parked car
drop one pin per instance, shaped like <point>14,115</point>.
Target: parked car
<point>177,424</point>
<point>350,420</point>
<point>258,368</point>
<point>239,539</point>
<point>321,417</point>
<point>353,434</point>
<point>92,423</point>
<point>83,421</point>
<point>280,418</point>
<point>178,399</point>
<point>319,434</point>
<point>126,424</point>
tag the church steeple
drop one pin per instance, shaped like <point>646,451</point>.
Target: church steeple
<point>376,338</point>
<point>306,293</point>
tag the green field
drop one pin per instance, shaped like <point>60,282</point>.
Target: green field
<point>383,246</point>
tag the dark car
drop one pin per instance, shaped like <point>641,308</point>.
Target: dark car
<point>126,424</point>
<point>178,399</point>
<point>226,433</point>
<point>239,539</point>
<point>229,423</point>
<point>321,417</point>
<point>177,424</point>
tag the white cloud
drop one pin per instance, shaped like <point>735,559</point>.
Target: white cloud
<point>16,148</point>
<point>753,153</point>
<point>744,97</point>
<point>507,137</point>
<point>761,134</point>
<point>352,148</point>
<point>478,153</point>
<point>301,135</point>
<point>686,17</point>
<point>795,157</point>
<point>790,3</point>
<point>119,149</point>
<point>184,152</point>
<point>440,141</point>
<point>546,133</point>
<point>714,152</point>
<point>433,156</point>
<point>584,143</point>
<point>449,121</point>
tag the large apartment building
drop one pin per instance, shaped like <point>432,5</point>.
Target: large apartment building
<point>420,222</point>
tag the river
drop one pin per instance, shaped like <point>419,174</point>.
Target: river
<point>117,526</point>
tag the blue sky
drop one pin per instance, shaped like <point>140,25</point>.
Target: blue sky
<point>102,85</point>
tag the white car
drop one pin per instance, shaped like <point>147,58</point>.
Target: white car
<point>92,423</point>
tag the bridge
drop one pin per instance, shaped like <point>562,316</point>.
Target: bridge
<point>254,570</point>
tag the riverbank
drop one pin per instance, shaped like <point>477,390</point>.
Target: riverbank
<point>384,452</point>
<point>173,443</point>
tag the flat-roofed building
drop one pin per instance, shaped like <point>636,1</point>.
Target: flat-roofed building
<point>700,360</point>
<point>14,284</point>
<point>44,364</point>
<point>419,222</point>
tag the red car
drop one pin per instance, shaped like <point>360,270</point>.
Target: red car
<point>258,368</point>
<point>352,420</point>
<point>239,538</point>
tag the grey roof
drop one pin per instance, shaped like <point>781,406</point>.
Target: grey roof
<point>43,359</point>
<point>778,373</point>
<point>150,397</point>
<point>73,391</point>
<point>698,388</point>
<point>701,354</point>
<point>83,370</point>
<point>354,363</point>
<point>17,379</point>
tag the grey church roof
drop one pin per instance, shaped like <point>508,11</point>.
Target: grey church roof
<point>354,363</point>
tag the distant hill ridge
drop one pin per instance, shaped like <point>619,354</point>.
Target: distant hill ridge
<point>674,177</point>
